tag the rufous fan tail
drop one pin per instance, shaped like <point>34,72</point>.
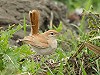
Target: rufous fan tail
<point>34,18</point>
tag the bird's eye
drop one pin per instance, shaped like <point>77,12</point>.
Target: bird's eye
<point>51,33</point>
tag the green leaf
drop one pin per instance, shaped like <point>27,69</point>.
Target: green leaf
<point>83,70</point>
<point>24,25</point>
<point>60,27</point>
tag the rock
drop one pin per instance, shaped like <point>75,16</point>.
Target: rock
<point>13,12</point>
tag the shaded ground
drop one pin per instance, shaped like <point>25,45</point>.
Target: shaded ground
<point>13,12</point>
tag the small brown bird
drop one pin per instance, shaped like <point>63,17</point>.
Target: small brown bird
<point>44,43</point>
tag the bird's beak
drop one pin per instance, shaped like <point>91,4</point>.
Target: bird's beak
<point>57,34</point>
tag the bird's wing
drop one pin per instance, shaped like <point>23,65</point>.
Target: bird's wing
<point>35,41</point>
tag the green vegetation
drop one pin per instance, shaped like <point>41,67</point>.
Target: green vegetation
<point>73,4</point>
<point>71,57</point>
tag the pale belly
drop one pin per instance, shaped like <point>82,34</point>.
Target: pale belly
<point>45,51</point>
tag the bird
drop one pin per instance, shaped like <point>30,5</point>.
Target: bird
<point>42,43</point>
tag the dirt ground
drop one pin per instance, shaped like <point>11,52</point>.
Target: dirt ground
<point>13,12</point>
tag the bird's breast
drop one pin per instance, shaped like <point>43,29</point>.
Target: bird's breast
<point>54,44</point>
